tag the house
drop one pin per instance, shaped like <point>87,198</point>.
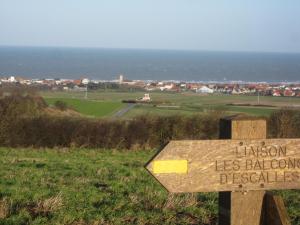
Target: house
<point>12,79</point>
<point>85,81</point>
<point>205,90</point>
<point>167,87</point>
<point>183,85</point>
<point>77,82</point>
<point>49,82</point>
<point>193,86</point>
<point>288,93</point>
<point>236,91</point>
<point>146,98</point>
<point>276,93</point>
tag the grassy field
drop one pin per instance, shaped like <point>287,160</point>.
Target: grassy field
<point>187,103</point>
<point>90,107</point>
<point>185,109</point>
<point>183,98</point>
<point>85,186</point>
<point>91,187</point>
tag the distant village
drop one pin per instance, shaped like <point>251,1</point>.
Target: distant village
<point>230,88</point>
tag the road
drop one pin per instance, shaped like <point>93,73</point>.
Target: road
<point>121,112</point>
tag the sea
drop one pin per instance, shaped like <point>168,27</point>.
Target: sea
<point>139,64</point>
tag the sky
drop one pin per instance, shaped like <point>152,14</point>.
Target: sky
<point>213,25</point>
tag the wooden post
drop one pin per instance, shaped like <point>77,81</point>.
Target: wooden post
<point>274,210</point>
<point>241,208</point>
<point>225,166</point>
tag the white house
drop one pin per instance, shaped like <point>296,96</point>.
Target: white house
<point>236,91</point>
<point>85,81</point>
<point>12,79</point>
<point>167,87</point>
<point>146,98</point>
<point>205,90</point>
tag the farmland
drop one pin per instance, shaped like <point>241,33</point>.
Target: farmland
<point>91,108</point>
<point>98,186</point>
<point>105,103</point>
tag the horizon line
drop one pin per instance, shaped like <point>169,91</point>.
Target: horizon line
<point>148,49</point>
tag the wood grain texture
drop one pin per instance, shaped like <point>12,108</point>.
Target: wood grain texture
<point>274,211</point>
<point>249,129</point>
<point>246,208</point>
<point>241,208</point>
<point>210,161</point>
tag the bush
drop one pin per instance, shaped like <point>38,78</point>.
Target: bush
<point>61,105</point>
<point>13,109</point>
<point>284,123</point>
<point>141,132</point>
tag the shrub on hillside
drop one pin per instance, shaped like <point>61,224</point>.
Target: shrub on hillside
<point>141,132</point>
<point>61,105</point>
<point>284,123</point>
<point>13,109</point>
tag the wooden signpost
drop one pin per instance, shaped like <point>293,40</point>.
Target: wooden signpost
<point>240,169</point>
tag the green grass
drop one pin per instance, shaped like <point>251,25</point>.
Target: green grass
<point>189,98</point>
<point>91,187</point>
<point>255,111</point>
<point>193,109</point>
<point>94,186</point>
<point>89,107</point>
<point>188,102</point>
<point>88,186</point>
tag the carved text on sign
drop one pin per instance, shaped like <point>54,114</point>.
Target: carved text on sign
<point>228,165</point>
<point>259,165</point>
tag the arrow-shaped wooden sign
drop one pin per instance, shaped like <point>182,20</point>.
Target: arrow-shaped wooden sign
<point>228,165</point>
